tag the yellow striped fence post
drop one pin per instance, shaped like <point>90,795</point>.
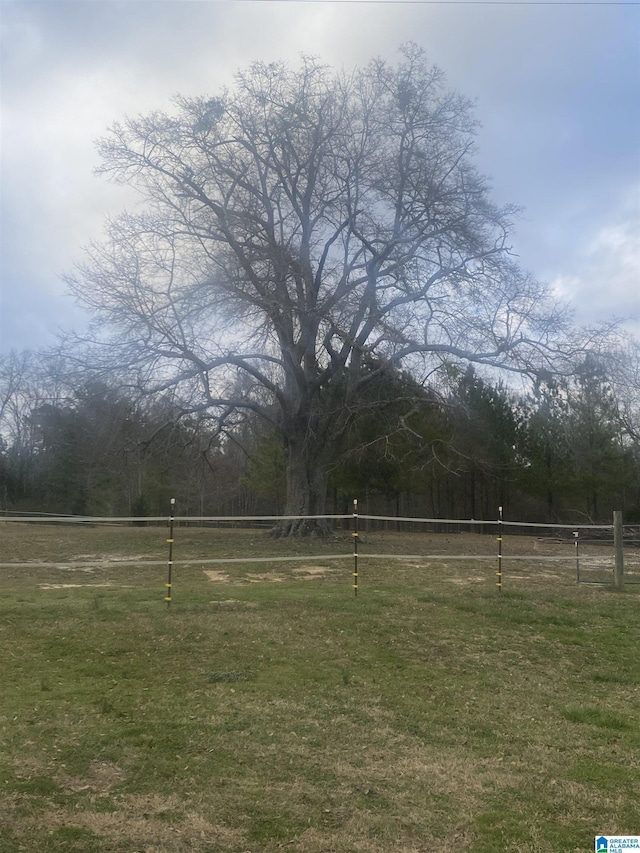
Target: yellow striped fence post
<point>355,535</point>
<point>169,583</point>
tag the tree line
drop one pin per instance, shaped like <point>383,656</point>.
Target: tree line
<point>458,447</point>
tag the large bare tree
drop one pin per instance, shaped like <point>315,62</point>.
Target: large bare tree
<point>295,226</point>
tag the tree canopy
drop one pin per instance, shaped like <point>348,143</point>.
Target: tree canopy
<point>297,229</point>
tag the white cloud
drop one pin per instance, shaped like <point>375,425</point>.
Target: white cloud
<point>567,287</point>
<point>605,281</point>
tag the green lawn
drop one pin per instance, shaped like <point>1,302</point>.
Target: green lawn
<point>269,709</point>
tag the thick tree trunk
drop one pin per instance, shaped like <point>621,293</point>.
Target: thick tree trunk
<point>307,480</point>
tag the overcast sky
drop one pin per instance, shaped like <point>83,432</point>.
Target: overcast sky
<point>557,89</point>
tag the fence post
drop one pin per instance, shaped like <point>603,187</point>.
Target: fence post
<point>500,530</point>
<point>169,583</point>
<point>618,544</point>
<point>355,536</point>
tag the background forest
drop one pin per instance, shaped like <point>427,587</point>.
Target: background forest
<point>458,447</point>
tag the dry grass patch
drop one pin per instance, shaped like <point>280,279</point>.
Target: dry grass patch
<point>158,824</point>
<point>101,777</point>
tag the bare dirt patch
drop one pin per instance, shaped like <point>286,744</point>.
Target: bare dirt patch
<point>468,580</point>
<point>96,561</point>
<point>270,577</point>
<point>100,559</point>
<point>76,585</point>
<point>124,558</point>
<point>216,576</point>
<point>310,572</point>
<point>304,573</point>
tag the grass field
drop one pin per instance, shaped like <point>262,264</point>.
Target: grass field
<point>271,710</point>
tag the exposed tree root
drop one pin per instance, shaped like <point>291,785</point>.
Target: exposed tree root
<point>299,527</point>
